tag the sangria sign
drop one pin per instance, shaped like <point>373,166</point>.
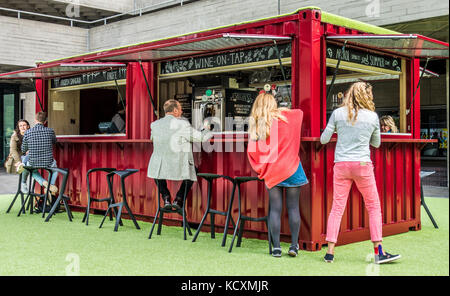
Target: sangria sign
<point>363,57</point>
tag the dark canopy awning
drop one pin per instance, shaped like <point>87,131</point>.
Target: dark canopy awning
<point>194,46</point>
<point>60,70</point>
<point>411,45</point>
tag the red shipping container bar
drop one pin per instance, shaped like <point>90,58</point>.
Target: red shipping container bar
<point>396,162</point>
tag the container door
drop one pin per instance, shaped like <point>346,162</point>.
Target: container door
<point>9,116</point>
<point>8,121</point>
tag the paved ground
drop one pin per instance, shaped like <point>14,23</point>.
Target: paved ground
<point>8,184</point>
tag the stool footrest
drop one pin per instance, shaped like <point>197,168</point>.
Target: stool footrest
<point>171,211</point>
<point>259,219</point>
<point>118,204</point>
<point>100,199</point>
<point>217,212</point>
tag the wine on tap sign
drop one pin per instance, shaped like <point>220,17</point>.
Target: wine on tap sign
<point>227,59</point>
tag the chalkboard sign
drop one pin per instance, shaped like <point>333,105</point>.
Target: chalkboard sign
<point>90,78</point>
<point>185,101</point>
<point>227,59</point>
<point>363,57</point>
<point>239,105</point>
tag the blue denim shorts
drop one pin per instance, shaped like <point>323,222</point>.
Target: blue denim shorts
<point>296,180</point>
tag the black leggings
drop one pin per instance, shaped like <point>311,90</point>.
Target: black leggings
<point>292,206</point>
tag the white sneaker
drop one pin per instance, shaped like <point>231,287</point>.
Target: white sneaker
<point>24,187</point>
<point>20,168</point>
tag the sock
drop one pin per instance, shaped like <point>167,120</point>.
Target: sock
<point>380,250</point>
<point>376,251</point>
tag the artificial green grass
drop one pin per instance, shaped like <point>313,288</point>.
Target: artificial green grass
<point>29,246</point>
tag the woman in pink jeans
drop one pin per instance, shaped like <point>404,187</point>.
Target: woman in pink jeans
<point>357,127</point>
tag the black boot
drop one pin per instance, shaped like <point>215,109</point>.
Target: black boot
<point>177,203</point>
<point>167,204</point>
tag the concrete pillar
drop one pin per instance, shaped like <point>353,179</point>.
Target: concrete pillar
<point>29,102</point>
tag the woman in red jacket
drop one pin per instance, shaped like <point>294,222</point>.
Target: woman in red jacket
<point>273,153</point>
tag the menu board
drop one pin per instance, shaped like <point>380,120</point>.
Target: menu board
<point>239,105</point>
<point>363,57</point>
<point>185,101</point>
<point>89,78</point>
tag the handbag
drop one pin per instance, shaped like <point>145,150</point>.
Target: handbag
<point>9,164</point>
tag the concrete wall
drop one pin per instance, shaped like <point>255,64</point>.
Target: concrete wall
<point>23,42</point>
<point>120,6</point>
<point>376,12</point>
<point>206,14</point>
<point>29,106</point>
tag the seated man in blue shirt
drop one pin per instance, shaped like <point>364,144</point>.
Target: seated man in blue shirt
<point>38,141</point>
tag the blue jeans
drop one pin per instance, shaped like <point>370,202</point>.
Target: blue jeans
<point>297,179</point>
<point>36,175</point>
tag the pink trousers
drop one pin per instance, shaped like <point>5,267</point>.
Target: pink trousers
<point>362,174</point>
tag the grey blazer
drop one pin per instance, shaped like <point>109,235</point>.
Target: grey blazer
<point>172,157</point>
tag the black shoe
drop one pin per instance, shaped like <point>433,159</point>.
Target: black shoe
<point>386,257</point>
<point>177,203</point>
<point>293,251</point>
<point>329,258</point>
<point>167,204</point>
<point>276,252</point>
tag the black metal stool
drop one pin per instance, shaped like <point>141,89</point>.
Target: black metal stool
<point>31,194</point>
<point>19,192</point>
<point>424,174</point>
<point>161,212</point>
<point>61,196</point>
<point>109,199</point>
<point>210,178</point>
<point>242,218</point>
<point>122,174</point>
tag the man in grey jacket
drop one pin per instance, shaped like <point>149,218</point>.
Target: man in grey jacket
<point>172,157</point>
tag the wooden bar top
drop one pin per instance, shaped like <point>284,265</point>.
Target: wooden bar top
<point>227,138</point>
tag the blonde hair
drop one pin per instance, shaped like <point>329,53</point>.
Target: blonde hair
<point>264,111</point>
<point>389,121</point>
<point>358,96</point>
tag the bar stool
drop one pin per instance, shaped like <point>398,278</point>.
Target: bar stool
<point>242,218</point>
<point>109,199</point>
<point>30,198</point>
<point>61,196</point>
<point>19,192</point>
<point>424,174</point>
<point>161,212</point>
<point>210,178</point>
<point>122,174</point>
